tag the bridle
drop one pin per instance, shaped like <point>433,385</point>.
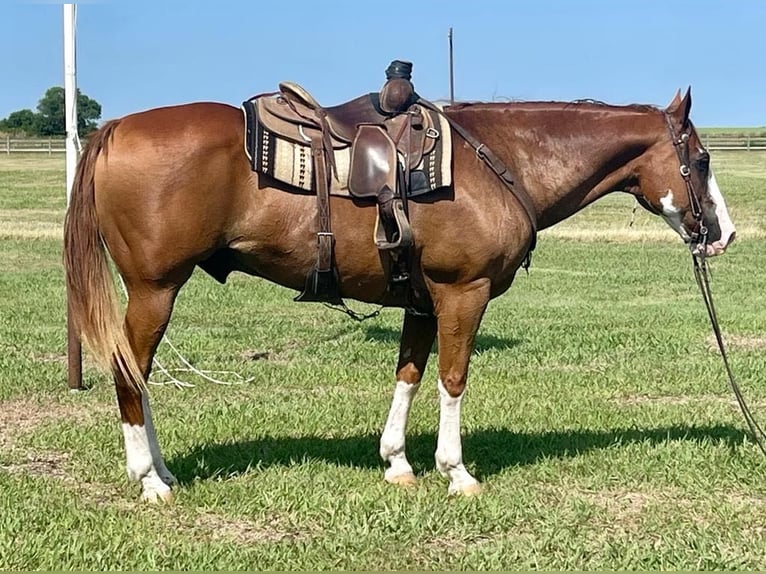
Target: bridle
<point>681,145</point>
<point>699,238</point>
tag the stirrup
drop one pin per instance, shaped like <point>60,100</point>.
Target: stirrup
<point>404,231</point>
<point>321,287</point>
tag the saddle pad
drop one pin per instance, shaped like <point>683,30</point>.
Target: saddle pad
<point>289,161</point>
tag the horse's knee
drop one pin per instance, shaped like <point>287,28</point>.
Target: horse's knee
<point>454,383</point>
<point>409,373</point>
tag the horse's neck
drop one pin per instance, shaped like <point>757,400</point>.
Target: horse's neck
<point>566,155</point>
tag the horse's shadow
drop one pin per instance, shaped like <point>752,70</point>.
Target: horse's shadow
<point>489,451</point>
<point>484,341</point>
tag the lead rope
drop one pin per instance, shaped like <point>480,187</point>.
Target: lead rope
<point>701,275</point>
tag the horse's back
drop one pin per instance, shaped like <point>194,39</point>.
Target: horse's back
<point>179,136</point>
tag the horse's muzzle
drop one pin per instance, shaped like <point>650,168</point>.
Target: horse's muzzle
<point>716,247</point>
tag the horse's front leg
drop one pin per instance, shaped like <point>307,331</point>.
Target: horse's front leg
<point>418,334</point>
<point>459,309</point>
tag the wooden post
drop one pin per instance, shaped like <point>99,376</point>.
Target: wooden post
<point>74,352</point>
<point>8,144</point>
<point>74,345</point>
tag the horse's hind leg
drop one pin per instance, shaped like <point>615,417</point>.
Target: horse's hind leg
<point>459,309</point>
<point>146,319</point>
<point>418,335</point>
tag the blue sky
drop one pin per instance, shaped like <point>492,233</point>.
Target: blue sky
<point>138,55</point>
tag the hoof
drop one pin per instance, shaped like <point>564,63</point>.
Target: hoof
<point>469,490</point>
<point>168,478</point>
<point>407,479</point>
<point>161,497</point>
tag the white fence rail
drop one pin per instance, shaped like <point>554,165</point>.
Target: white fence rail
<point>51,145</point>
<point>725,142</point>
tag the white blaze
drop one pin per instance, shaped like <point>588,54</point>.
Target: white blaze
<point>721,213</point>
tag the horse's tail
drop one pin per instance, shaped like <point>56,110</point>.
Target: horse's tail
<point>92,297</point>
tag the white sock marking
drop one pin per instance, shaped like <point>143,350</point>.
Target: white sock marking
<point>393,438</point>
<point>449,449</point>
<point>143,457</point>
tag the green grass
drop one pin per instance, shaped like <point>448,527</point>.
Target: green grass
<point>597,415</point>
<point>734,131</point>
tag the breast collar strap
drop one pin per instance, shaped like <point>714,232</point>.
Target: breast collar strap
<point>502,172</point>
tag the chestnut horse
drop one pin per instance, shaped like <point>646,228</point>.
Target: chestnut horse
<point>169,189</point>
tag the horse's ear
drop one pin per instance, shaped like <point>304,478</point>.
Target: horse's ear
<point>680,107</point>
<point>675,103</point>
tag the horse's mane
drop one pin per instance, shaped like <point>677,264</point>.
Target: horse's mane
<point>636,107</point>
<point>565,104</point>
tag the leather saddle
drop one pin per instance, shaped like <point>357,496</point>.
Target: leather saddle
<point>296,116</point>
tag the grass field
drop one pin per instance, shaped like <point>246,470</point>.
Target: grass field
<point>734,131</point>
<point>597,414</point>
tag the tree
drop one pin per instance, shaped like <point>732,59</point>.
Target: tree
<point>88,114</point>
<point>49,119</point>
<point>19,121</point>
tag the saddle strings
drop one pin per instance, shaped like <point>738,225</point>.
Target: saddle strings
<point>204,374</point>
<point>189,368</point>
<point>703,281</point>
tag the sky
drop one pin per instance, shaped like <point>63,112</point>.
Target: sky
<point>137,55</point>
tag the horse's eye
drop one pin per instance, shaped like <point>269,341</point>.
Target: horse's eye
<point>703,162</point>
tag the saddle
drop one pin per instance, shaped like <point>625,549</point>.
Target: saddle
<point>296,116</point>
<point>388,134</point>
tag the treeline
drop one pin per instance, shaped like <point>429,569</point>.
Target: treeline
<point>49,118</point>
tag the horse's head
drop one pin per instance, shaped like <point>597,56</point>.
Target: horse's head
<point>675,181</point>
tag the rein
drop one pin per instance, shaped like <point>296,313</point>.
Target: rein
<point>701,275</point>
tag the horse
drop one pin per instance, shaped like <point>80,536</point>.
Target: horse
<point>163,191</point>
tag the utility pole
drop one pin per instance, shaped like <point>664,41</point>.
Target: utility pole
<point>451,71</point>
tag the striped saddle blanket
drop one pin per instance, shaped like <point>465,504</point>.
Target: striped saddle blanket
<point>277,143</point>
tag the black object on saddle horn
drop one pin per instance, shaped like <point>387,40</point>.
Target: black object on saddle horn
<point>399,69</point>
<point>398,93</point>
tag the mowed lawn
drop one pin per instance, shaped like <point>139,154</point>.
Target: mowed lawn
<point>597,415</point>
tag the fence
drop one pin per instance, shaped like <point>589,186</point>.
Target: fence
<point>9,145</point>
<point>732,142</point>
<point>51,145</point>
